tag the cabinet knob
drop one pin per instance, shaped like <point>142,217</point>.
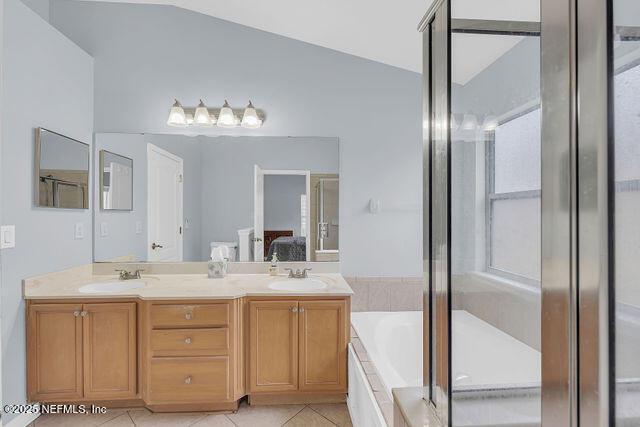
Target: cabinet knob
<point>187,380</point>
<point>188,316</point>
<point>76,313</point>
<point>294,309</point>
<point>83,313</point>
<point>187,340</point>
<point>301,310</point>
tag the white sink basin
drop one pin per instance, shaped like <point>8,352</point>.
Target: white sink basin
<point>112,287</point>
<point>294,285</point>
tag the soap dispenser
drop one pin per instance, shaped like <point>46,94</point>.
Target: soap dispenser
<point>273,268</point>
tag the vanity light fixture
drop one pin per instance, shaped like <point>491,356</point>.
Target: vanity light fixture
<point>250,119</point>
<point>225,117</point>
<point>490,123</point>
<point>177,117</point>
<point>469,122</point>
<point>201,117</point>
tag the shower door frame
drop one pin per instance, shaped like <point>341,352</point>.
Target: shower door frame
<point>577,325</point>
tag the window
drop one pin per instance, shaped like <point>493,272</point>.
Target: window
<point>513,198</point>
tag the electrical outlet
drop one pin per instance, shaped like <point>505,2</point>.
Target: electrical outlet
<point>79,231</point>
<point>7,236</point>
<point>138,227</point>
<point>104,229</point>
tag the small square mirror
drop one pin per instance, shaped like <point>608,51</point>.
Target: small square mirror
<point>116,182</point>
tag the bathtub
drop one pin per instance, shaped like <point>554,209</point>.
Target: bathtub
<point>483,357</point>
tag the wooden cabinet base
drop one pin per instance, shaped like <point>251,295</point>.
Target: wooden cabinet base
<point>195,407</point>
<point>296,398</point>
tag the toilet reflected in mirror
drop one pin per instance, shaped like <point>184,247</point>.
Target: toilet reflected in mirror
<point>258,196</point>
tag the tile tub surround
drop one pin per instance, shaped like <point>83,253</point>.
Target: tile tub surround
<point>386,293</point>
<point>66,284</point>
<point>381,395</point>
<point>264,416</point>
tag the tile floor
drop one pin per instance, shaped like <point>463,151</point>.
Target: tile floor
<point>317,415</point>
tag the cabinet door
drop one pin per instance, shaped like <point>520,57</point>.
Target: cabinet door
<point>273,346</point>
<point>110,355</point>
<point>323,345</point>
<point>54,352</point>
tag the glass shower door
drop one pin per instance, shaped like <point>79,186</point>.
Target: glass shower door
<point>626,116</point>
<point>495,226</point>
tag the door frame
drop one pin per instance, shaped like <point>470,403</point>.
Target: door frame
<point>257,209</point>
<point>180,218</point>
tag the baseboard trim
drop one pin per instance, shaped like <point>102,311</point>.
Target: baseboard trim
<point>22,420</point>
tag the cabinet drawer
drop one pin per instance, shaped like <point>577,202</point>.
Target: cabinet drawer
<point>189,379</point>
<point>196,315</point>
<point>190,342</point>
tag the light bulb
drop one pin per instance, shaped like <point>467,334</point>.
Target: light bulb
<point>201,117</point>
<point>490,123</point>
<point>226,118</point>
<point>469,122</point>
<point>250,119</point>
<point>176,116</point>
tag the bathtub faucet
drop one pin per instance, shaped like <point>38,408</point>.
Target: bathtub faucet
<point>298,274</point>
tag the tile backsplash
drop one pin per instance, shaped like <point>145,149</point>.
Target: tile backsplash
<point>386,293</point>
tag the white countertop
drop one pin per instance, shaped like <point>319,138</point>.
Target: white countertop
<point>66,285</point>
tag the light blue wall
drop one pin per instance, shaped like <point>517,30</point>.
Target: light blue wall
<point>47,81</point>
<point>282,202</point>
<point>145,55</point>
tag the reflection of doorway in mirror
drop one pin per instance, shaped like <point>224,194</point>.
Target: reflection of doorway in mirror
<point>164,201</point>
<point>281,214</point>
<point>324,230</point>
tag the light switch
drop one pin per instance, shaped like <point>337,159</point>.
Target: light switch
<point>104,229</point>
<point>7,237</point>
<point>79,231</point>
<point>138,227</point>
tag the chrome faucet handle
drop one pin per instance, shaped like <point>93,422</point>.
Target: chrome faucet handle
<point>304,272</point>
<point>290,270</point>
<point>137,274</point>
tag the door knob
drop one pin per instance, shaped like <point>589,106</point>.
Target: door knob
<point>154,246</point>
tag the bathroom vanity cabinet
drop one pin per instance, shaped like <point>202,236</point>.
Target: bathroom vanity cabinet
<point>82,351</point>
<point>188,355</point>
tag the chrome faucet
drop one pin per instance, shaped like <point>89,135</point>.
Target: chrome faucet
<point>297,274</point>
<point>127,275</point>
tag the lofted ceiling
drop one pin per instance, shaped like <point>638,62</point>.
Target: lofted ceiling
<point>380,30</point>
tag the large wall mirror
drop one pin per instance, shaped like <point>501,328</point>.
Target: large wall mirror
<point>61,171</point>
<point>259,196</point>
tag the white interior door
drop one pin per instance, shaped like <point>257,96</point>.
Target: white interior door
<point>258,213</point>
<point>164,203</point>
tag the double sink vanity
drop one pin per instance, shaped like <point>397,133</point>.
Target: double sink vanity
<point>184,342</point>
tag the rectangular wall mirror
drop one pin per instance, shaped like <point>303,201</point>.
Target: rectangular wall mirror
<point>61,171</point>
<point>116,182</point>
<point>259,196</point>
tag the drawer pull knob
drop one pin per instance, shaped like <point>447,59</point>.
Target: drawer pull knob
<point>301,310</point>
<point>188,316</point>
<point>76,313</point>
<point>83,313</point>
<point>294,309</point>
<point>187,340</point>
<point>187,380</point>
